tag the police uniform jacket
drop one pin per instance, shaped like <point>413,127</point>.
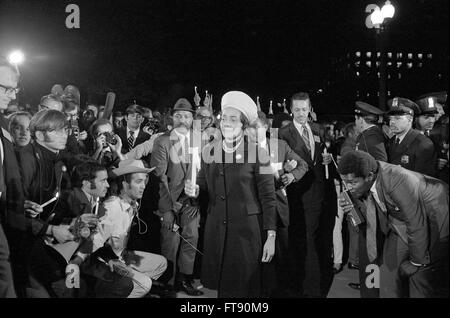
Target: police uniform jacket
<point>415,152</point>
<point>372,141</point>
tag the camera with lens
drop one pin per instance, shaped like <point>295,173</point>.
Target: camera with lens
<point>110,138</point>
<point>74,127</point>
<point>151,126</point>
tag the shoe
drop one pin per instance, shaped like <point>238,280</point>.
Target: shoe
<point>186,286</point>
<point>352,266</point>
<point>356,286</point>
<point>162,290</point>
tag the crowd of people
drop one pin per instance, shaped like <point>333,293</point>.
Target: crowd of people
<point>103,203</point>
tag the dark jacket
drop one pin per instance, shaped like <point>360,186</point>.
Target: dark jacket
<point>141,137</point>
<point>42,175</point>
<point>6,279</point>
<point>280,152</point>
<point>11,200</point>
<point>372,141</point>
<point>241,205</point>
<point>416,210</point>
<point>415,152</point>
<point>170,170</point>
<point>311,189</point>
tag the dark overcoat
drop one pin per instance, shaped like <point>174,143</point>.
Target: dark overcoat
<point>241,205</point>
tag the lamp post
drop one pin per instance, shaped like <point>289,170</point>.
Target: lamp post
<point>378,19</point>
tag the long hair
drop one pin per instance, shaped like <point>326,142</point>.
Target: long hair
<point>47,120</point>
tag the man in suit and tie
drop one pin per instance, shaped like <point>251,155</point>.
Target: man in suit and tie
<point>11,196</point>
<point>306,198</point>
<point>408,147</point>
<point>410,209</point>
<point>132,135</point>
<point>287,167</point>
<point>170,157</point>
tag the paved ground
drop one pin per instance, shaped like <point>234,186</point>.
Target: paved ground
<point>339,288</point>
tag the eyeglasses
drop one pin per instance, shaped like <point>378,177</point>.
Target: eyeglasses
<point>202,117</point>
<point>10,90</point>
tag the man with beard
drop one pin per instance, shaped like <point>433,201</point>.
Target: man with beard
<point>170,158</point>
<point>408,147</point>
<point>409,210</point>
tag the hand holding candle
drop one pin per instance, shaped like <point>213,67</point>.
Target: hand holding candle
<point>326,159</point>
<point>51,200</point>
<point>32,209</point>
<point>96,206</point>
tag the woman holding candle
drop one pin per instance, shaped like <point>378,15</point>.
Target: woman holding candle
<point>241,205</point>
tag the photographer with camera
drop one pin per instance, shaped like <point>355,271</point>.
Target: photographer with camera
<point>75,142</point>
<point>107,148</point>
<point>75,212</point>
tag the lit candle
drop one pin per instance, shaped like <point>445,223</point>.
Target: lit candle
<point>326,166</point>
<point>96,206</point>
<point>51,200</point>
<point>194,151</point>
<point>195,89</point>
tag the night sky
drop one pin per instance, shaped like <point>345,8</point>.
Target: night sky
<point>156,51</point>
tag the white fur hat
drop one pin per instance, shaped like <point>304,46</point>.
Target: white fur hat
<point>241,102</point>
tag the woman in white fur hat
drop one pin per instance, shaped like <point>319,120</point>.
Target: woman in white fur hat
<point>241,205</point>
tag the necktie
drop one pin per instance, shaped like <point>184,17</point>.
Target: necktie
<point>397,141</point>
<point>305,137</point>
<point>371,228</point>
<point>131,140</point>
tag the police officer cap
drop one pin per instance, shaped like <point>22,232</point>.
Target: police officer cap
<point>427,102</point>
<point>402,106</point>
<point>364,109</point>
<point>438,97</point>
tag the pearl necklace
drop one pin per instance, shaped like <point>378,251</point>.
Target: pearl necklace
<point>233,149</point>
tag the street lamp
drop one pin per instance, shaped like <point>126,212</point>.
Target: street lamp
<point>378,19</point>
<point>16,57</point>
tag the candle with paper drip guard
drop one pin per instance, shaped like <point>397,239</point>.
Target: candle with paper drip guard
<point>326,166</point>
<point>51,200</point>
<point>97,205</point>
<point>194,152</point>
